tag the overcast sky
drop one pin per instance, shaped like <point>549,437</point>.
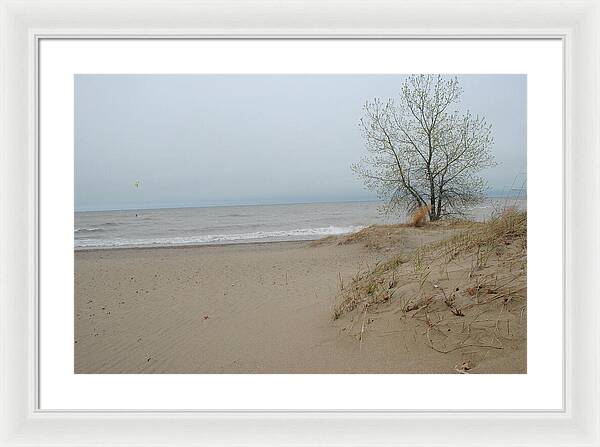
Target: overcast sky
<point>199,140</point>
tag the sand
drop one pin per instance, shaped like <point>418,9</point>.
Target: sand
<point>251,308</point>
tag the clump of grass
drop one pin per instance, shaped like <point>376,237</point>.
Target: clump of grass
<point>391,264</point>
<point>369,288</point>
<point>375,237</point>
<point>478,305</point>
<point>509,224</point>
<point>419,216</point>
<point>356,236</point>
<point>504,226</point>
<point>481,239</point>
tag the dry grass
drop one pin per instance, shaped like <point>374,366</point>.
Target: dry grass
<point>507,225</point>
<point>419,216</point>
<point>468,290</point>
<point>478,240</point>
<point>395,236</point>
<point>374,237</point>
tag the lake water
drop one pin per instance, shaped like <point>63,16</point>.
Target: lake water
<point>237,224</point>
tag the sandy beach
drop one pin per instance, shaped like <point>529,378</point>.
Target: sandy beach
<point>261,308</point>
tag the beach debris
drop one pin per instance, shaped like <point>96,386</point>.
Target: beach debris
<point>205,317</point>
<point>341,281</point>
<point>136,184</point>
<point>450,301</point>
<point>464,367</point>
<point>456,311</point>
<point>362,330</point>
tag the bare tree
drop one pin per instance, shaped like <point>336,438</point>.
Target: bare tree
<point>422,153</point>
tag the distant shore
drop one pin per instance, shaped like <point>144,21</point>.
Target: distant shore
<point>261,307</point>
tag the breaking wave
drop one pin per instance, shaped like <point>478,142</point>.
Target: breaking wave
<point>299,234</point>
<point>87,230</point>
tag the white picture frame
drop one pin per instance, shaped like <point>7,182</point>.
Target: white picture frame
<point>23,24</point>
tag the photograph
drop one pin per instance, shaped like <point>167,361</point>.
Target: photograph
<point>300,223</point>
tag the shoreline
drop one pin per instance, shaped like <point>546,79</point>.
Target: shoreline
<point>180,246</point>
<point>166,231</point>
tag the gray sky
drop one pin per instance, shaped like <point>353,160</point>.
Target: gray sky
<point>199,140</point>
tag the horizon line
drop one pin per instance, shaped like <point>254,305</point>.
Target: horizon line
<point>170,207</point>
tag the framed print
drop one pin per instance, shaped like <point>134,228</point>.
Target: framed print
<point>309,276</point>
<point>234,225</point>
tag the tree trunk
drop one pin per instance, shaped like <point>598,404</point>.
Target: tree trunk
<point>433,212</point>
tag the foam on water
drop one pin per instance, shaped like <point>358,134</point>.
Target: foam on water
<point>83,230</point>
<point>300,234</point>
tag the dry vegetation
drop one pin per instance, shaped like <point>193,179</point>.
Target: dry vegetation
<point>466,291</point>
<point>374,237</point>
<point>419,217</point>
<point>397,237</point>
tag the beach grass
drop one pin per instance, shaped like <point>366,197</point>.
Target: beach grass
<point>467,290</point>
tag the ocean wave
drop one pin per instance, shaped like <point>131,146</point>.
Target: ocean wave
<point>87,230</point>
<point>234,215</point>
<point>299,234</point>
